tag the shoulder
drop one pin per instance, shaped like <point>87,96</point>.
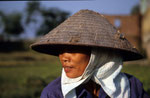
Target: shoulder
<point>133,79</point>
<point>136,87</point>
<point>53,89</point>
<point>134,82</point>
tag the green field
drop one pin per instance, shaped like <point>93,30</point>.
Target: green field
<point>25,74</point>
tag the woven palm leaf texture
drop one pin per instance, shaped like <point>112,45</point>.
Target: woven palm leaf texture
<point>86,28</point>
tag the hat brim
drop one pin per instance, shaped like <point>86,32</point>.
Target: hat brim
<point>55,49</point>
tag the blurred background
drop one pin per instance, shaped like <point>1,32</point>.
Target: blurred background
<point>24,73</point>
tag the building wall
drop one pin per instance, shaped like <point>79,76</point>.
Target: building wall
<point>146,32</point>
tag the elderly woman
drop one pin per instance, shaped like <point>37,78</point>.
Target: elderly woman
<point>91,52</point>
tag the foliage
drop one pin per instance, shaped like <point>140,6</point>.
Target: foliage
<point>16,23</point>
<point>51,17</point>
<point>1,16</point>
<point>12,24</point>
<point>135,9</point>
<point>32,8</point>
<point>9,46</point>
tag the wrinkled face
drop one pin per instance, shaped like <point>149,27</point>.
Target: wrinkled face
<point>74,61</point>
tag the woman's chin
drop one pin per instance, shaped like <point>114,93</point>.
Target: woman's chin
<point>69,75</point>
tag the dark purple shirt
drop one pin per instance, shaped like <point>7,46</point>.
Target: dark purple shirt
<point>53,90</point>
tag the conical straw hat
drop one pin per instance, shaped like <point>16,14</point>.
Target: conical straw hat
<point>88,29</point>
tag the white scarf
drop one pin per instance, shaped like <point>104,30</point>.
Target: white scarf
<point>103,68</point>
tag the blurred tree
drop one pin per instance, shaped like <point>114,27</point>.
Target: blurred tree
<point>32,8</point>
<point>34,16</point>
<point>1,15</point>
<point>135,10</point>
<point>12,24</point>
<point>50,17</point>
<point>1,26</point>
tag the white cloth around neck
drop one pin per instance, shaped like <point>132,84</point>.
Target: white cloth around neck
<point>103,68</point>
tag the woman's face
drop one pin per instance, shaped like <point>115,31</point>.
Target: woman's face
<point>74,61</point>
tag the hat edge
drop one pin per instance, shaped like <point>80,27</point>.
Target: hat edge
<point>127,55</point>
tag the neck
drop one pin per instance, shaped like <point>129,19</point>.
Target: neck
<point>93,88</point>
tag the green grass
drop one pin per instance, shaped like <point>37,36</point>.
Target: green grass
<point>25,74</point>
<point>17,74</point>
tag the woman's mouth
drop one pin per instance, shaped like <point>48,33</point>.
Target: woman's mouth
<point>67,68</point>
